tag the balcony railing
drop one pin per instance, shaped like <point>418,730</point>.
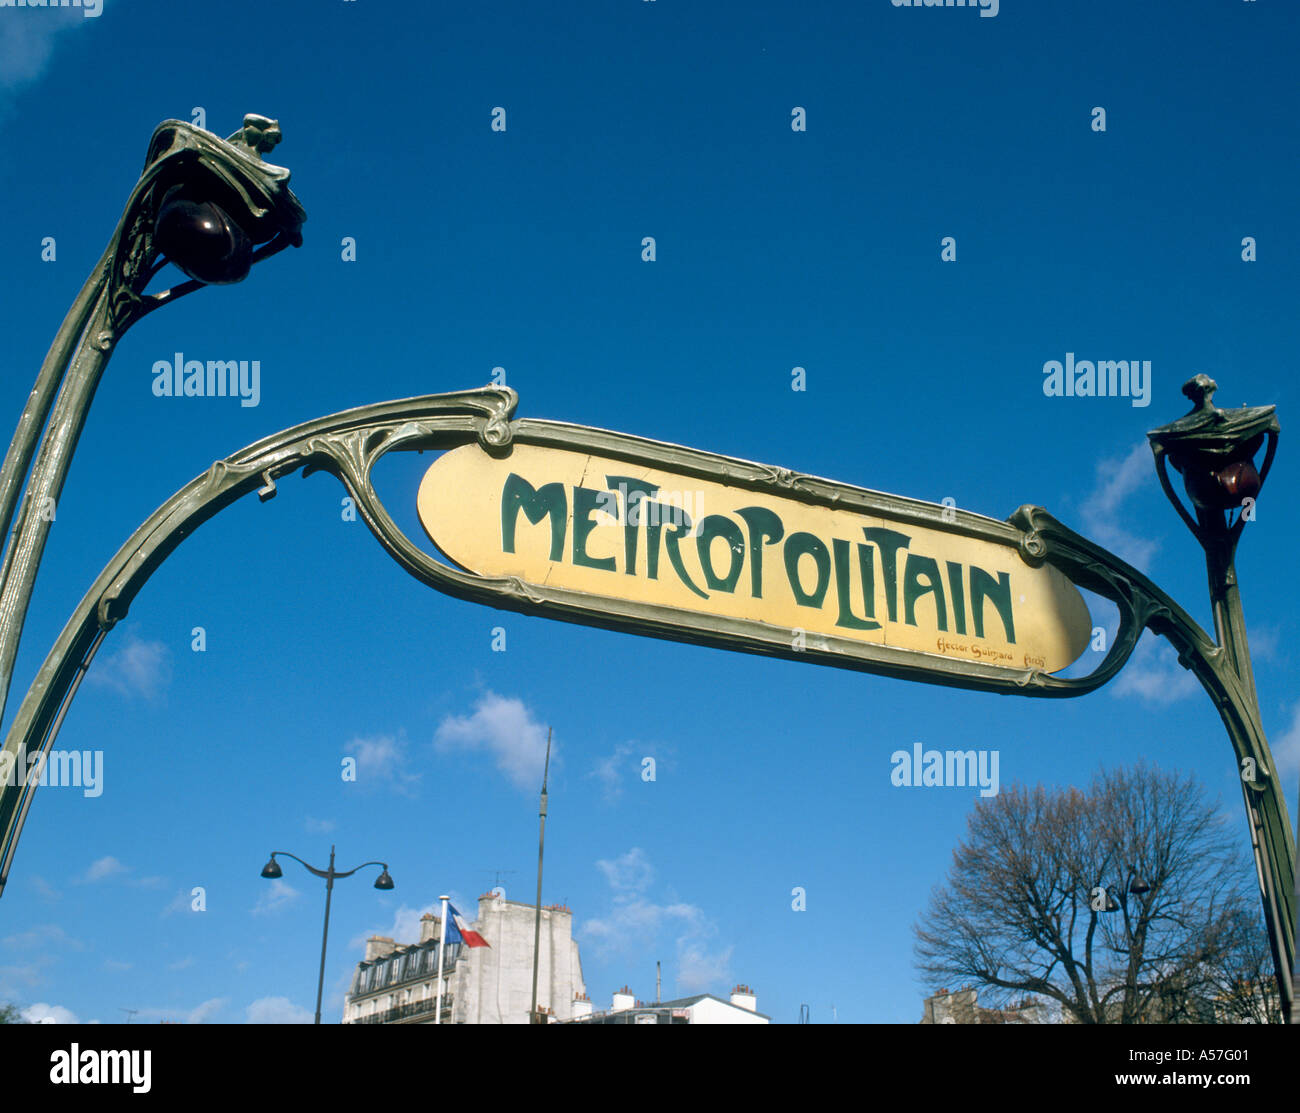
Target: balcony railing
<point>409,1012</point>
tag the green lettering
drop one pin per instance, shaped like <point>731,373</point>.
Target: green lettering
<point>634,492</point>
<point>764,527</point>
<point>518,494</point>
<point>715,525</point>
<point>998,592</point>
<point>889,542</point>
<point>842,586</point>
<point>672,539</point>
<point>914,588</point>
<point>958,596</point>
<point>796,545</point>
<point>585,500</point>
<point>650,511</point>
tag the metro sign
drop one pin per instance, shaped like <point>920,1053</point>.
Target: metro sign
<point>801,566</point>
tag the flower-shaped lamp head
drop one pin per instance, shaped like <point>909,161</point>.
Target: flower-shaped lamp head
<point>218,206</point>
<point>1214,450</point>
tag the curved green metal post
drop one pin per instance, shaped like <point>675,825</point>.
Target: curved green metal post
<point>1143,605</point>
<point>180,157</point>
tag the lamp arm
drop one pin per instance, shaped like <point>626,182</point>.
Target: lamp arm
<point>349,873</point>
<point>312,869</point>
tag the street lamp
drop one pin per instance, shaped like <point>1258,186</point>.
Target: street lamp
<point>272,872</point>
<point>1136,887</point>
<point>212,207</point>
<point>1214,450</point>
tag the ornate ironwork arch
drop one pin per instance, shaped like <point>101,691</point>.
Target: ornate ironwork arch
<point>349,444</point>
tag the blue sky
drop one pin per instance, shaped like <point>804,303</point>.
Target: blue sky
<point>522,249</point>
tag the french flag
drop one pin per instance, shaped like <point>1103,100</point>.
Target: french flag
<point>458,930</point>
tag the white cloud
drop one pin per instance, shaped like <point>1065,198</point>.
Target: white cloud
<point>44,937</point>
<point>1265,641</point>
<point>116,964</point>
<point>699,970</point>
<point>275,897</point>
<point>101,869</point>
<point>613,770</point>
<point>609,771</point>
<point>630,871</point>
<point>507,730</point>
<point>405,927</point>
<point>382,761</point>
<point>277,1010</point>
<point>1154,674</point>
<point>15,980</point>
<point>181,963</point>
<point>1286,748</point>
<point>1101,514</point>
<point>136,668</point>
<point>44,888</point>
<point>183,901</point>
<point>209,1008</point>
<point>200,1014</point>
<point>318,826</point>
<point>41,1013</point>
<point>635,923</point>
<point>27,42</point>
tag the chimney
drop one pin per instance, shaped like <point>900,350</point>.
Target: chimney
<point>743,998</point>
<point>581,1006</point>
<point>429,926</point>
<point>379,945</point>
<point>623,999</point>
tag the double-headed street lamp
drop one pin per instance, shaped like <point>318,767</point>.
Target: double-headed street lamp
<point>272,871</point>
<point>1135,886</point>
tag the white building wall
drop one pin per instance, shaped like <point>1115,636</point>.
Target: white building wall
<point>495,984</point>
<point>709,1011</point>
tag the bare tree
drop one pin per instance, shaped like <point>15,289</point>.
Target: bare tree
<point>1128,903</point>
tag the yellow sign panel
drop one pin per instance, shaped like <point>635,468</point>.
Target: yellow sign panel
<point>607,528</point>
